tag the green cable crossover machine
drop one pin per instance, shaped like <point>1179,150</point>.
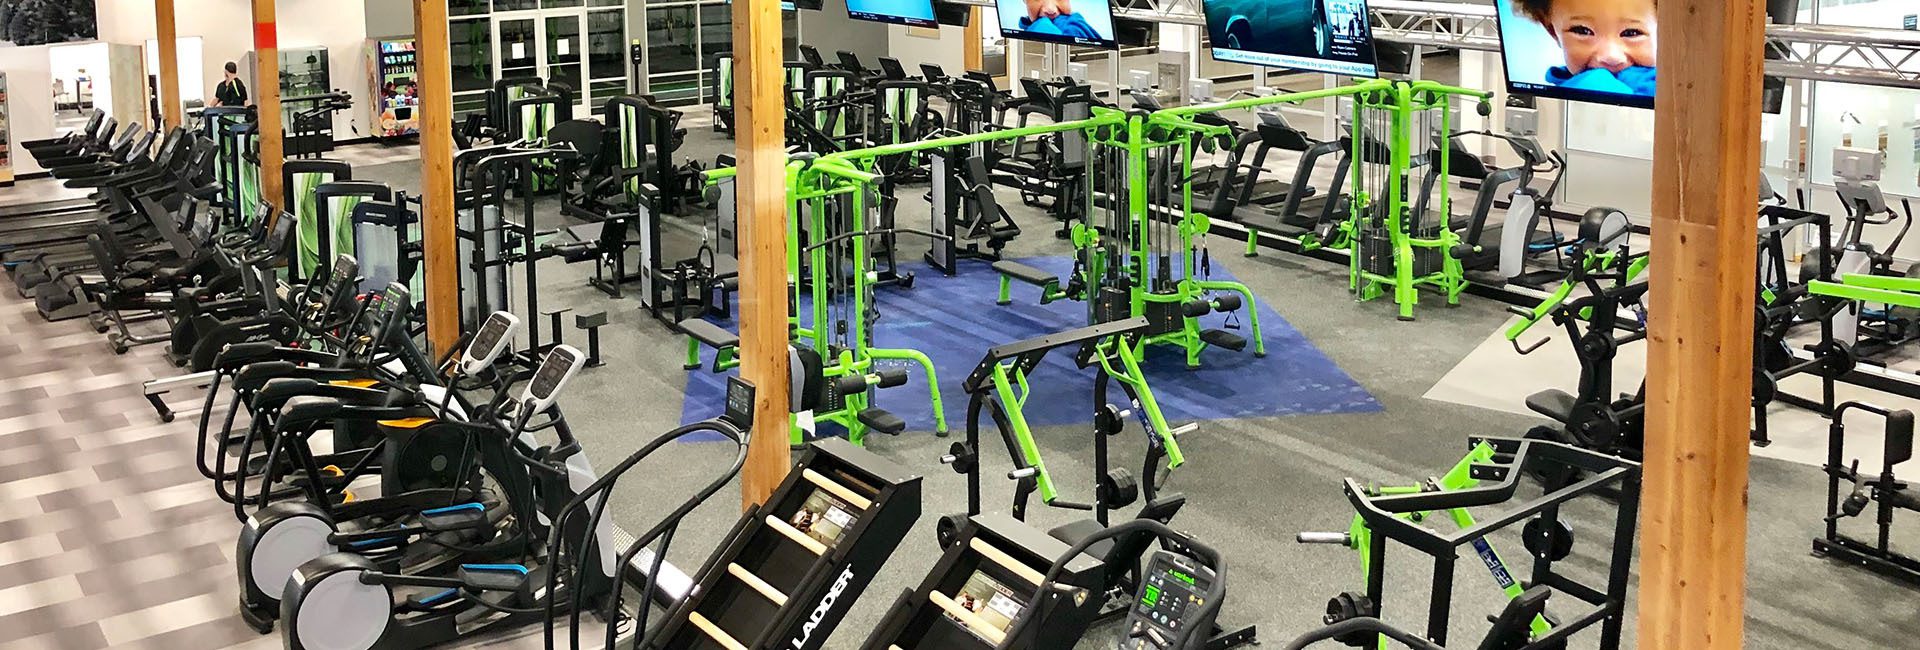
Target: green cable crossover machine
<point>835,206</point>
<point>1396,237</point>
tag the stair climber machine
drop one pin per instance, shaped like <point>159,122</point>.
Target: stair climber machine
<point>1437,517</point>
<point>1505,248</point>
<point>1871,329</point>
<point>354,600</point>
<point>1608,275</point>
<point>782,578</point>
<point>1004,586</point>
<point>420,513</point>
<point>998,387</point>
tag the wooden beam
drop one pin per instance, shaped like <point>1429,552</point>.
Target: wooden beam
<point>438,225</point>
<point>972,56</point>
<point>266,98</point>
<point>171,103</point>
<point>1706,162</point>
<point>761,189</point>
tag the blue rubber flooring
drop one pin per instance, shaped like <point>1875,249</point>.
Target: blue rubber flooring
<point>954,321</point>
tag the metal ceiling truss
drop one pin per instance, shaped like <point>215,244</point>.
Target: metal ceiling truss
<point>1854,55</point>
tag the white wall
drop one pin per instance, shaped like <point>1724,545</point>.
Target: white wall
<point>906,44</point>
<point>226,31</point>
<point>29,100</point>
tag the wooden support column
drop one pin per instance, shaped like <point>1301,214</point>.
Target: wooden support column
<point>971,55</point>
<point>171,104</point>
<point>1706,162</point>
<point>438,224</point>
<point>266,99</point>
<point>761,188</point>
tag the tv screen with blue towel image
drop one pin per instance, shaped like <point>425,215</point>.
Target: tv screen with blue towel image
<point>916,13</point>
<point>1083,22</point>
<point>1583,50</point>
<point>1330,36</point>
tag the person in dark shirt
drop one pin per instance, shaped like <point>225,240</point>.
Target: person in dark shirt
<point>231,92</point>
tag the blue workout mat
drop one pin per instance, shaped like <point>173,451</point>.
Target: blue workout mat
<point>953,320</point>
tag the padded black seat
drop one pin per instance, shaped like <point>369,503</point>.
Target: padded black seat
<point>882,421</point>
<point>712,335</point>
<point>1553,403</point>
<point>1024,273</point>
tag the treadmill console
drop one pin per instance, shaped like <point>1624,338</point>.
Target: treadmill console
<point>1167,611</point>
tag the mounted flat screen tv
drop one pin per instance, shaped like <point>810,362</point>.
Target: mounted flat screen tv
<point>1591,52</point>
<point>1330,36</point>
<point>913,13</point>
<point>1087,23</point>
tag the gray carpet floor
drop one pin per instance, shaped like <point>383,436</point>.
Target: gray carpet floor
<point>1253,483</point>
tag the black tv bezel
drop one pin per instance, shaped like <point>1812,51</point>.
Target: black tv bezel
<point>1550,91</point>
<point>1216,50</point>
<point>890,19</point>
<point>1111,43</point>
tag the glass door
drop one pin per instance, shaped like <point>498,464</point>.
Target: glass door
<point>561,53</point>
<point>517,44</point>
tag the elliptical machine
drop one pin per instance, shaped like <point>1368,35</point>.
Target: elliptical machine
<point>1857,181</point>
<point>347,600</point>
<point>1596,418</point>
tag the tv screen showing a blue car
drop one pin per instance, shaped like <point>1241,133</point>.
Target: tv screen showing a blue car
<point>1330,36</point>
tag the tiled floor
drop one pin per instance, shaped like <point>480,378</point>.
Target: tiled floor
<point>109,537</point>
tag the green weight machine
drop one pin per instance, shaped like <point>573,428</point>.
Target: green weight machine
<point>833,207</point>
<point>1402,240</point>
<point>1398,237</point>
<point>1488,476</point>
<point>999,387</point>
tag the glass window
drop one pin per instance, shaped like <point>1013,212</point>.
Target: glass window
<point>606,3</point>
<point>671,40</point>
<point>601,91</point>
<point>789,35</point>
<point>515,5</point>
<point>465,104</point>
<point>1884,14</point>
<point>467,7</point>
<point>716,30</point>
<point>1865,117</point>
<point>559,4</point>
<point>607,44</point>
<point>471,42</point>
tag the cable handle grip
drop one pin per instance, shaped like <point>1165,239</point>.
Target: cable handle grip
<point>1341,539</point>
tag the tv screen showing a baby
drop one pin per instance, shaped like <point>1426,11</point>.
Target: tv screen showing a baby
<point>1584,50</point>
<point>1073,22</point>
<point>1330,36</point>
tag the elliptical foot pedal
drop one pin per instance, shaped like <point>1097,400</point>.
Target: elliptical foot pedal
<point>465,516</point>
<point>882,421</point>
<point>493,577</point>
<point>1224,339</point>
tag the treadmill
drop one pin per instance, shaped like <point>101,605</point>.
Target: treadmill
<point>92,133</point>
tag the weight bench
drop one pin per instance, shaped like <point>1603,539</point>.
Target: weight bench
<point>701,332</point>
<point>1010,270</point>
